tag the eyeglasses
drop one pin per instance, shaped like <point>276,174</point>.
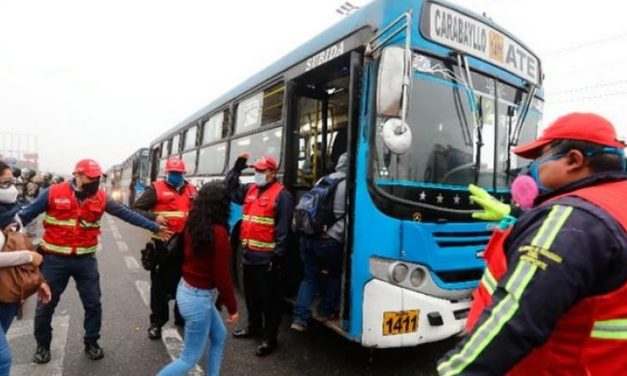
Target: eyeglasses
<point>7,182</point>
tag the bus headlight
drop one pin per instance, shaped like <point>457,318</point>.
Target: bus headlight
<point>398,272</point>
<point>417,277</point>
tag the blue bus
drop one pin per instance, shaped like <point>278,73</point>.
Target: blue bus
<point>134,176</point>
<point>112,180</point>
<point>425,97</point>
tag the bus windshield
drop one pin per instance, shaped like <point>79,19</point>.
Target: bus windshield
<point>444,143</point>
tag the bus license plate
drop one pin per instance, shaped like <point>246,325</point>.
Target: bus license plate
<point>400,322</point>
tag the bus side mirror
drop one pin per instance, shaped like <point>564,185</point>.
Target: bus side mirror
<point>390,82</point>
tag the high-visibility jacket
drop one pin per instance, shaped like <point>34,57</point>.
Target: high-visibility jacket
<point>591,338</point>
<point>258,227</point>
<point>70,227</point>
<point>172,205</point>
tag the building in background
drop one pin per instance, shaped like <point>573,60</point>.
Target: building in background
<point>20,150</point>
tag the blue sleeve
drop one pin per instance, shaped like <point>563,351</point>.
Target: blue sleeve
<point>238,191</point>
<point>283,220</point>
<point>127,215</point>
<point>38,206</point>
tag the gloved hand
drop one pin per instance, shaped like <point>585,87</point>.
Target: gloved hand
<point>493,209</point>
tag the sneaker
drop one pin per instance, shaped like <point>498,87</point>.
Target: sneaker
<point>266,348</point>
<point>154,332</point>
<point>245,333</point>
<point>42,355</point>
<point>299,327</point>
<point>93,351</point>
<point>325,318</point>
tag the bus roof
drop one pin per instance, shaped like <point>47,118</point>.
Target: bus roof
<point>371,15</point>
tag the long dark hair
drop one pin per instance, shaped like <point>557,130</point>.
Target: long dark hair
<point>211,207</point>
<point>4,166</point>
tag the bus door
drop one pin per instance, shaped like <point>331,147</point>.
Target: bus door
<point>322,117</point>
<point>155,156</point>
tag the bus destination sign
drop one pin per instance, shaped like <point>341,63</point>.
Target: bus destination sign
<point>458,31</point>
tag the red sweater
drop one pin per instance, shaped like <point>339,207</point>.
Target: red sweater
<point>212,267</point>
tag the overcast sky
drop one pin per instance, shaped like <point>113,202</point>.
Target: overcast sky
<point>102,79</point>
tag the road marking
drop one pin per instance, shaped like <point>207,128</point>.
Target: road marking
<point>22,362</point>
<point>131,263</point>
<point>144,290</point>
<point>116,233</point>
<point>174,345</point>
<point>122,246</point>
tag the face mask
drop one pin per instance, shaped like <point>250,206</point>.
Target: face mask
<point>2,240</point>
<point>260,179</point>
<point>8,195</point>
<point>174,179</point>
<point>533,170</point>
<point>90,189</point>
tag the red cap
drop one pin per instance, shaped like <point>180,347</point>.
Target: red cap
<point>175,164</point>
<point>89,168</point>
<point>576,126</point>
<point>265,163</point>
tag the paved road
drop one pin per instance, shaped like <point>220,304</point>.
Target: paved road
<point>128,351</point>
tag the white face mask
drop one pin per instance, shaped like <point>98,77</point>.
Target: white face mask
<point>8,195</point>
<point>260,178</point>
<point>2,240</point>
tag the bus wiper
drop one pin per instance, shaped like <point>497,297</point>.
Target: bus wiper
<point>517,131</point>
<point>477,118</point>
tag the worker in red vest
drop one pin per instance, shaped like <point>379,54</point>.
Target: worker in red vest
<point>554,294</point>
<point>69,244</point>
<point>167,202</point>
<point>264,236</point>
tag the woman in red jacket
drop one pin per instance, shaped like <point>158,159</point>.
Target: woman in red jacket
<point>206,274</point>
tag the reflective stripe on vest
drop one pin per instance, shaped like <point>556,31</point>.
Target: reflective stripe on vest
<point>58,222</point>
<point>261,220</point>
<point>258,244</point>
<point>610,329</point>
<point>488,281</point>
<point>69,222</point>
<point>68,250</point>
<point>171,214</point>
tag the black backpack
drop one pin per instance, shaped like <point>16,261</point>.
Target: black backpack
<point>314,212</point>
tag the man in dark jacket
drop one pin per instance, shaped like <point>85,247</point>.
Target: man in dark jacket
<point>167,202</point>
<point>557,307</point>
<point>264,236</point>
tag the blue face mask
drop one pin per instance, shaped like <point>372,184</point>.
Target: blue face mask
<point>533,170</point>
<point>175,179</point>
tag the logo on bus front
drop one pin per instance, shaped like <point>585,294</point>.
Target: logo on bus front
<point>465,34</point>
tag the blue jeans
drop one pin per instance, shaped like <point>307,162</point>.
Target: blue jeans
<point>319,254</point>
<point>202,323</point>
<point>7,313</point>
<point>57,271</point>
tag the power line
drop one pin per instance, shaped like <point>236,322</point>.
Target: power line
<point>584,45</point>
<point>597,86</point>
<point>589,97</point>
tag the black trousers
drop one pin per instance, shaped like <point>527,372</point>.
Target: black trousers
<point>164,279</point>
<point>263,300</point>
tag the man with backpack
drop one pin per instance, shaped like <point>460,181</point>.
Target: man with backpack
<point>319,218</point>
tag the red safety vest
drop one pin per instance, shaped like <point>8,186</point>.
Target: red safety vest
<point>589,339</point>
<point>71,228</point>
<point>173,205</point>
<point>258,227</point>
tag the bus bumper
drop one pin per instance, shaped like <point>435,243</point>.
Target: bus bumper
<point>438,319</point>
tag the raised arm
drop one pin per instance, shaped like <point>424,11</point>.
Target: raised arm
<point>238,191</point>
